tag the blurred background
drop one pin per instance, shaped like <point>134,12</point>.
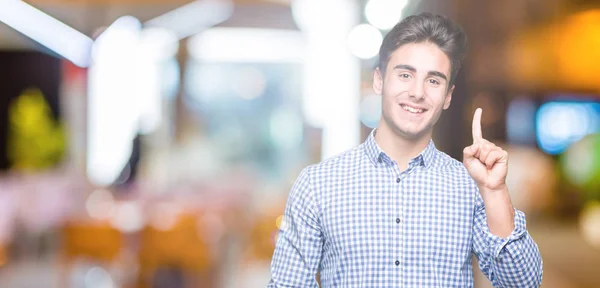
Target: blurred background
<point>153,143</point>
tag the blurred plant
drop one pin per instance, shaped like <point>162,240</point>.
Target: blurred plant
<point>35,140</point>
<point>589,223</point>
<point>581,166</point>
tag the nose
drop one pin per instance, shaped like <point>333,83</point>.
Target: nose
<point>416,90</point>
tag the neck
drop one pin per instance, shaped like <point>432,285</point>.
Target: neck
<point>398,147</point>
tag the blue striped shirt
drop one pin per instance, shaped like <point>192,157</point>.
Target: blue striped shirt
<point>359,221</point>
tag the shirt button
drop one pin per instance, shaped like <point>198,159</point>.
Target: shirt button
<point>397,263</point>
<point>398,180</point>
<point>397,220</point>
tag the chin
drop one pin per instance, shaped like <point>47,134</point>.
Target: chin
<point>414,135</point>
<point>406,129</point>
<point>410,133</point>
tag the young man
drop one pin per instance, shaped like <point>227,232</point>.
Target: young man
<point>395,211</point>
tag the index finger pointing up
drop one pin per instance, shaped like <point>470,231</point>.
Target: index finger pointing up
<point>477,126</point>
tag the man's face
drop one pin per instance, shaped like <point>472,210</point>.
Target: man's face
<point>414,89</point>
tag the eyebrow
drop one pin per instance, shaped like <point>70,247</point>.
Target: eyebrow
<point>414,70</point>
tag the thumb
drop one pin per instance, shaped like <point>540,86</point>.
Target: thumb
<point>469,153</point>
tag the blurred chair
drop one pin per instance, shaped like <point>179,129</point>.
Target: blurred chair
<point>98,241</point>
<point>3,256</point>
<point>263,236</point>
<point>258,246</point>
<point>263,232</point>
<point>178,249</point>
<point>95,241</point>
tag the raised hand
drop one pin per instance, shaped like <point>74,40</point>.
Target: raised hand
<point>487,163</point>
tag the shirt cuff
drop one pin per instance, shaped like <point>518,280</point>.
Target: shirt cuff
<point>497,244</point>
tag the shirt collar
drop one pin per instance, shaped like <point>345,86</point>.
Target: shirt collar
<point>372,149</point>
<point>377,156</point>
<point>428,154</point>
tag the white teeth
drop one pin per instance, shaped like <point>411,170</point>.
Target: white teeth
<point>411,109</point>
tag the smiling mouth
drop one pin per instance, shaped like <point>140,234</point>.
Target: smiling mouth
<point>412,109</point>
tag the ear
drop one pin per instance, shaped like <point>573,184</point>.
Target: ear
<point>448,98</point>
<point>377,81</point>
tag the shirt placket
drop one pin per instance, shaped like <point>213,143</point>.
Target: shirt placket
<point>397,219</point>
<point>400,201</point>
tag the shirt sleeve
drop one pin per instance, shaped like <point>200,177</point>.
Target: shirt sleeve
<point>299,244</point>
<point>514,261</point>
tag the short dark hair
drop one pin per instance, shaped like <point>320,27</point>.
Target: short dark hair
<point>426,27</point>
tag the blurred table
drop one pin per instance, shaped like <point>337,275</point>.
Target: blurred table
<point>566,253</point>
<point>569,262</point>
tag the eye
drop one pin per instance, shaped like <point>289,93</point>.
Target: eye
<point>404,75</point>
<point>434,82</point>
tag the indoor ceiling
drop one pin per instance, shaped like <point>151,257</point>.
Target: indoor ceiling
<point>87,16</point>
